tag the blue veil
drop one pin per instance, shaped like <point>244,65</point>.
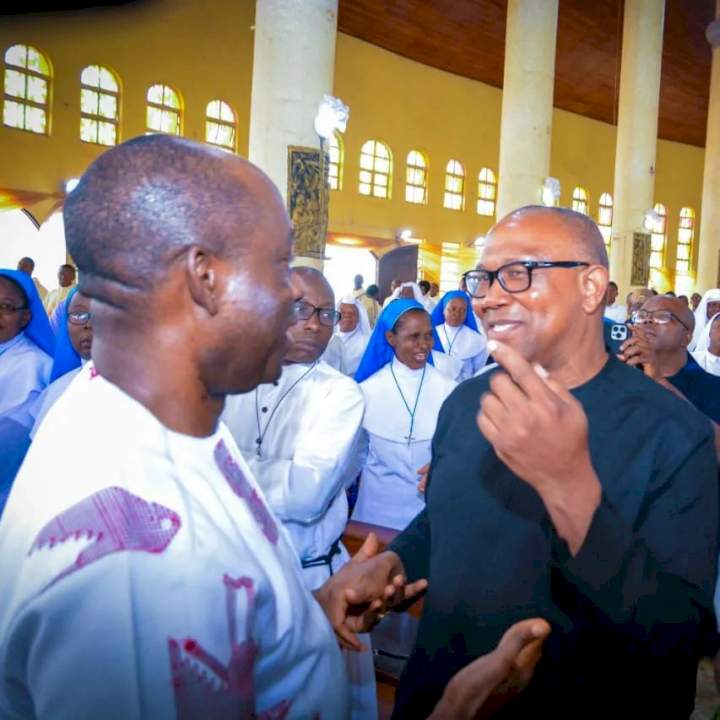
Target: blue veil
<point>38,329</point>
<point>66,357</point>
<point>379,352</point>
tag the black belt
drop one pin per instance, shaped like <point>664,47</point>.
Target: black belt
<point>321,560</point>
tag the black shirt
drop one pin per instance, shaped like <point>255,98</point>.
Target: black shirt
<point>628,612</point>
<point>700,387</point>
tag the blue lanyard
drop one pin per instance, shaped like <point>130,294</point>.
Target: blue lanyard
<point>405,402</point>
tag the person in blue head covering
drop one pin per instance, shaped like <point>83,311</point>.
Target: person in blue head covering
<point>458,334</point>
<point>403,394</point>
<point>26,348</point>
<point>73,345</point>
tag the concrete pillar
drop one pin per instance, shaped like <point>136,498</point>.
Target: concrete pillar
<point>293,67</point>
<point>636,130</point>
<point>527,102</point>
<point>709,236</point>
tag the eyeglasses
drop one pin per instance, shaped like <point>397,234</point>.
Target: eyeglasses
<point>302,310</point>
<point>515,277</point>
<point>79,317</point>
<point>7,309</point>
<point>659,317</point>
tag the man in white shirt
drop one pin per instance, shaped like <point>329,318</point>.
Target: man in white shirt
<point>614,311</point>
<point>302,440</point>
<point>150,579</point>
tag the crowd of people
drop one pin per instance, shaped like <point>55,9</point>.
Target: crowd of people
<point>185,434</point>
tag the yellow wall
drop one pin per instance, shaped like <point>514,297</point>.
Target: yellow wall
<point>411,106</point>
<point>205,51</point>
<point>202,49</point>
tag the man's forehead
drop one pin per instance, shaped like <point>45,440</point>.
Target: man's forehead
<point>529,236</point>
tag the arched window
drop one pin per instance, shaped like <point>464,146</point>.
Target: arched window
<point>99,106</point>
<point>454,185</point>
<point>686,232</point>
<point>416,178</point>
<point>220,124</point>
<point>27,90</point>
<point>487,192</point>
<point>605,216</point>
<point>164,110</point>
<point>657,239</point>
<point>580,200</point>
<point>375,169</point>
<point>336,151</point>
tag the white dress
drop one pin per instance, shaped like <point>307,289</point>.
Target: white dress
<point>24,372</point>
<point>142,575</point>
<point>312,450</point>
<point>465,344</point>
<point>388,493</point>
<point>50,395</point>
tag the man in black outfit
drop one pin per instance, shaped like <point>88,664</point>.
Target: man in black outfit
<point>538,507</point>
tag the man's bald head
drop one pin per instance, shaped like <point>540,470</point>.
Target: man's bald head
<point>139,205</point>
<point>313,279</point>
<point>583,234</point>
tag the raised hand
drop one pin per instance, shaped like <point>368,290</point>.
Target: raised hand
<point>540,431</point>
<point>363,590</point>
<point>486,684</point>
<point>637,350</point>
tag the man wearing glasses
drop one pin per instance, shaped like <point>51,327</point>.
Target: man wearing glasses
<point>301,437</point>
<point>536,507</point>
<point>662,330</point>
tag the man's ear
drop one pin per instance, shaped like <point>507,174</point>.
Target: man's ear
<point>593,287</point>
<point>202,278</point>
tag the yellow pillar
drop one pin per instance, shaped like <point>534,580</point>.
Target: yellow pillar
<point>709,238</point>
<point>636,146</point>
<point>527,102</point>
<point>293,67</point>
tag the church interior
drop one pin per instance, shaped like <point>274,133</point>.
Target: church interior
<point>442,116</point>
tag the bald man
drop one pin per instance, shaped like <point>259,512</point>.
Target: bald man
<point>664,328</point>
<point>150,579</point>
<point>27,265</point>
<point>302,440</point>
<point>536,507</point>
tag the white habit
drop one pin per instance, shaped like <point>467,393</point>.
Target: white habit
<point>388,493</point>
<point>24,372</point>
<point>312,449</point>
<point>465,344</point>
<point>143,575</point>
<point>704,358</point>
<point>345,349</point>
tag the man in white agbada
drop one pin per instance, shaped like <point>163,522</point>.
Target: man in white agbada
<point>617,312</point>
<point>458,334</point>
<point>348,342</point>
<point>709,306</point>
<point>403,394</point>
<point>707,350</point>
<point>302,440</point>
<point>142,574</point>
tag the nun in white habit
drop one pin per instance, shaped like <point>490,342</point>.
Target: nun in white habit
<point>403,394</point>
<point>346,347</point>
<point>707,351</point>
<point>709,305</point>
<point>458,334</point>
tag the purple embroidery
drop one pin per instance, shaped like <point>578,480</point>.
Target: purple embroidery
<point>117,519</point>
<point>203,686</point>
<point>242,488</point>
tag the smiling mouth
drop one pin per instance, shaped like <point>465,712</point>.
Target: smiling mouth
<point>497,327</point>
